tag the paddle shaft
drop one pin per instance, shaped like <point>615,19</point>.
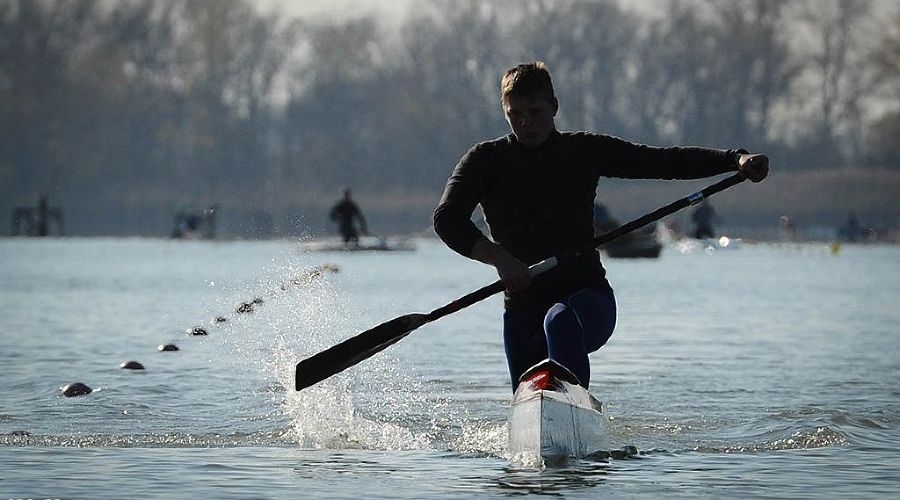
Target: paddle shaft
<point>545,265</point>
<point>366,344</point>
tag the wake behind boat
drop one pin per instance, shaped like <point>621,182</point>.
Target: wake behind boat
<point>553,418</point>
<point>364,244</point>
<point>707,245</point>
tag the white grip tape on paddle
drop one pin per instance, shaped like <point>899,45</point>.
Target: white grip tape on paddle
<point>696,198</point>
<point>542,266</point>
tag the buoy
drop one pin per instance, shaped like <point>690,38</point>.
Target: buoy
<point>131,365</point>
<point>167,347</point>
<point>197,330</point>
<point>75,389</point>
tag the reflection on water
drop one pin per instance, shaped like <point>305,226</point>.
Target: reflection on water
<point>564,476</point>
<point>576,475</point>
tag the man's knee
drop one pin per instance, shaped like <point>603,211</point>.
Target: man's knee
<point>591,311</point>
<point>560,316</point>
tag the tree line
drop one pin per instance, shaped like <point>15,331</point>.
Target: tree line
<point>132,109</point>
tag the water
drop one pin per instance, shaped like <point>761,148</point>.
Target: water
<point>764,371</point>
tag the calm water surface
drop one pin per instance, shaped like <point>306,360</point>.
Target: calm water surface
<point>763,371</point>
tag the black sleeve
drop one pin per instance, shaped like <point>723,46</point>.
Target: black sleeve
<point>453,215</point>
<point>620,158</point>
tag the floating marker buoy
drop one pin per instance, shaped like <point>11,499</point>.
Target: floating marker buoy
<point>131,365</point>
<point>167,347</point>
<point>197,330</point>
<point>75,389</point>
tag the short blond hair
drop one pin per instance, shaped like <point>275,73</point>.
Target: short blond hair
<point>527,79</point>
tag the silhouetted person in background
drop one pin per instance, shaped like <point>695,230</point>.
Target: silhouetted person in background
<point>346,214</point>
<point>788,228</point>
<point>703,217</point>
<point>851,230</point>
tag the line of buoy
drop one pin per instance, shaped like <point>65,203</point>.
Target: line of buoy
<point>76,389</point>
<point>197,331</point>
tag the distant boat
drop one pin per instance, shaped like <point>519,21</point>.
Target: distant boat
<point>640,244</point>
<point>365,244</point>
<point>195,225</point>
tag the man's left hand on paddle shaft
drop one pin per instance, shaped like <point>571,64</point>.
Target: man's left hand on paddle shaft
<point>754,166</point>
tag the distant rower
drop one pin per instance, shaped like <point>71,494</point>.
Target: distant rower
<point>346,213</point>
<point>703,217</point>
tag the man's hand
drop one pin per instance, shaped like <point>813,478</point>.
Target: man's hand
<point>754,166</point>
<point>513,273</point>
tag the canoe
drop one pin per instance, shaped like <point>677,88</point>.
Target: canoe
<point>553,418</point>
<point>642,244</point>
<point>635,249</point>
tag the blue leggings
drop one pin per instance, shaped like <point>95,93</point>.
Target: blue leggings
<point>578,324</point>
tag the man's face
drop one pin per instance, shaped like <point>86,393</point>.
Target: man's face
<point>530,118</point>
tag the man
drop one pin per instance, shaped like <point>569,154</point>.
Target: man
<point>346,212</point>
<point>703,217</point>
<point>536,187</point>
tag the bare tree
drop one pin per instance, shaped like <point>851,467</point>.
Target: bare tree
<point>329,123</point>
<point>885,149</point>
<point>839,78</point>
<point>587,44</point>
<point>39,42</point>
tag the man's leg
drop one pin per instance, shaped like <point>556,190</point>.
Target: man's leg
<point>578,325</point>
<point>525,343</point>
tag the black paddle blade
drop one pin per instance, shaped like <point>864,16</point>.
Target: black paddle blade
<point>338,358</point>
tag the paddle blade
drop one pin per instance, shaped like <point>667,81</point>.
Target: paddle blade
<point>338,358</point>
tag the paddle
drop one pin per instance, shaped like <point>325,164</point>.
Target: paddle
<point>335,359</point>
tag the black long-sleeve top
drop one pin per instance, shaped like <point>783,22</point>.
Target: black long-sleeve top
<point>539,202</point>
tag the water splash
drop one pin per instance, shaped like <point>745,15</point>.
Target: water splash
<point>483,437</point>
<point>374,405</point>
<point>783,439</point>
<point>820,437</point>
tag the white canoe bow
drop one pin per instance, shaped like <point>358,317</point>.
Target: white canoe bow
<point>554,418</point>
